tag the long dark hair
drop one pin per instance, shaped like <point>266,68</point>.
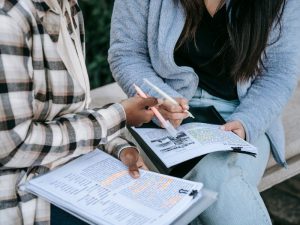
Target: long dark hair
<point>250,24</point>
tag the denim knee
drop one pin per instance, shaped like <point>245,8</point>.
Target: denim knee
<point>215,169</point>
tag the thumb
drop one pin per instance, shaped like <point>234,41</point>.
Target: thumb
<point>149,102</point>
<point>230,126</point>
<point>133,170</point>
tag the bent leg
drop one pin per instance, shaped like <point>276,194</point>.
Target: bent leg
<point>235,177</point>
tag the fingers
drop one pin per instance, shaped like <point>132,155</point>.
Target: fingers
<point>130,156</point>
<point>170,111</point>
<point>236,127</point>
<point>230,126</point>
<point>173,116</point>
<point>171,107</point>
<point>183,103</point>
<point>176,123</point>
<point>135,166</point>
<point>133,170</point>
<point>149,102</point>
<point>239,133</point>
<point>141,164</point>
<point>147,115</point>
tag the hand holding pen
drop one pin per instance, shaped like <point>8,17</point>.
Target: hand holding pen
<point>165,123</point>
<point>136,110</point>
<point>173,109</point>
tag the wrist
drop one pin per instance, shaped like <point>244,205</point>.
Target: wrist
<point>128,150</point>
<point>112,120</point>
<point>123,103</point>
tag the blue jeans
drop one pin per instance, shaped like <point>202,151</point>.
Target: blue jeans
<point>234,176</point>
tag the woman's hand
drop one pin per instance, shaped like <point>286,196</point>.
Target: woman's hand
<point>236,127</point>
<point>174,113</point>
<point>131,158</point>
<point>137,110</point>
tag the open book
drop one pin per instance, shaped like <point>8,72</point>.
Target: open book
<point>193,140</point>
<point>98,189</point>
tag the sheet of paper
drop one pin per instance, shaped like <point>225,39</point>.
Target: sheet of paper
<point>193,139</point>
<point>98,187</point>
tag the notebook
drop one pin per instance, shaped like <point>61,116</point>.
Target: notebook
<point>97,189</point>
<point>196,138</point>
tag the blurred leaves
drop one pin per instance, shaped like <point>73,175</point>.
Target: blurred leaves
<point>97,15</point>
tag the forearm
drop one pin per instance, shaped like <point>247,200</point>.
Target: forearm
<point>117,145</point>
<point>32,143</point>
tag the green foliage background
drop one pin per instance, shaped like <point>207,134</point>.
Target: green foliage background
<point>97,15</point>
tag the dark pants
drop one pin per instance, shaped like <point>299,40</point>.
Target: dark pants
<point>60,217</point>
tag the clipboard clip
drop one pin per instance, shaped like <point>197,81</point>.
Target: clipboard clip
<point>236,149</point>
<point>194,193</point>
<point>183,191</point>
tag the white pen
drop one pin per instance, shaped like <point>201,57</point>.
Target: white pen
<point>165,95</point>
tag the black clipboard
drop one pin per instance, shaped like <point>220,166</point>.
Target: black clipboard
<point>203,115</point>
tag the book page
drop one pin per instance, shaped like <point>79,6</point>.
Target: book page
<point>208,134</point>
<point>193,139</point>
<point>98,187</point>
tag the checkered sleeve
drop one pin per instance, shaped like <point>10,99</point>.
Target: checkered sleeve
<point>117,145</point>
<point>26,141</point>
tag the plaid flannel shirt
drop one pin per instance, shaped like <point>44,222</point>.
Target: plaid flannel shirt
<point>40,125</point>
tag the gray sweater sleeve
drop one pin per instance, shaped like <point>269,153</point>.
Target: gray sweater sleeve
<point>271,90</point>
<point>128,55</point>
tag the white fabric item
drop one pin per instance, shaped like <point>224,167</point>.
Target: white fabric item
<point>70,50</point>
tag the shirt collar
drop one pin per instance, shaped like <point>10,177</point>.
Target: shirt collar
<point>46,11</point>
<point>43,6</point>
